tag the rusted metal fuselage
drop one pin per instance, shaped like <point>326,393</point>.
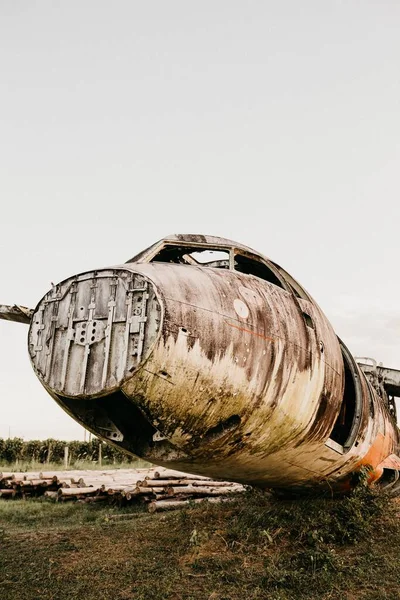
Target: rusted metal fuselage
<point>202,355</point>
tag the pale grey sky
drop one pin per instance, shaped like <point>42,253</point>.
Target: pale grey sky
<point>273,123</point>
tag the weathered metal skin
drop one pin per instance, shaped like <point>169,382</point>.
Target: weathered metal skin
<point>263,371</point>
<point>239,378</point>
<point>18,314</point>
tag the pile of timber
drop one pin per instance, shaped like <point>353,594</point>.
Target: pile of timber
<point>160,488</point>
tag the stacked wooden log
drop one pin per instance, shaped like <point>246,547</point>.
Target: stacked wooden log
<point>160,488</point>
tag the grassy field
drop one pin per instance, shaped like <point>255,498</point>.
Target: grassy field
<point>255,547</point>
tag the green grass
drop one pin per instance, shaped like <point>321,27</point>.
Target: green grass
<point>254,548</point>
<point>42,514</point>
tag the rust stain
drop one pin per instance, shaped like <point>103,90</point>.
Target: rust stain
<point>377,451</point>
<point>260,335</point>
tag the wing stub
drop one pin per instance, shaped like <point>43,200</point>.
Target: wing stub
<point>19,314</point>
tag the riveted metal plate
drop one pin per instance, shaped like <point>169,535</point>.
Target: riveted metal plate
<point>90,332</point>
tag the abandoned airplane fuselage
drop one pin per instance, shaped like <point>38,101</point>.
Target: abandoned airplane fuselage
<point>202,355</point>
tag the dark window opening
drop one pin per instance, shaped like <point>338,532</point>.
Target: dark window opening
<point>247,265</point>
<point>344,423</point>
<point>308,320</point>
<point>183,255</point>
<point>388,478</point>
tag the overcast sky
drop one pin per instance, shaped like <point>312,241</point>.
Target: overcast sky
<point>276,124</point>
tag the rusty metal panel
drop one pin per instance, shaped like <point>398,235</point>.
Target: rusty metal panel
<point>89,333</point>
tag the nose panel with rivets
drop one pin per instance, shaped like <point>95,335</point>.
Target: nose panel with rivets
<point>90,332</point>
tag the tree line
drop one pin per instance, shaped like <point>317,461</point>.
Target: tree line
<point>45,451</point>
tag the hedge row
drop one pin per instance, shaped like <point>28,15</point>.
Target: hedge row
<point>42,451</point>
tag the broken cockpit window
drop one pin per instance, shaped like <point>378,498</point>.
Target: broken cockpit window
<point>216,258</point>
<point>251,266</point>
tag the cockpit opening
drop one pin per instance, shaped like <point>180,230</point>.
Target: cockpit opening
<point>217,258</point>
<point>219,253</point>
<point>195,256</point>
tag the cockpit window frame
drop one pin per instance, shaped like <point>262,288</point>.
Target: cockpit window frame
<point>195,246</point>
<point>267,264</point>
<point>233,250</point>
<point>152,252</point>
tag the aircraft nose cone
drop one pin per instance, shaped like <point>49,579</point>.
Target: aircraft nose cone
<point>91,331</point>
